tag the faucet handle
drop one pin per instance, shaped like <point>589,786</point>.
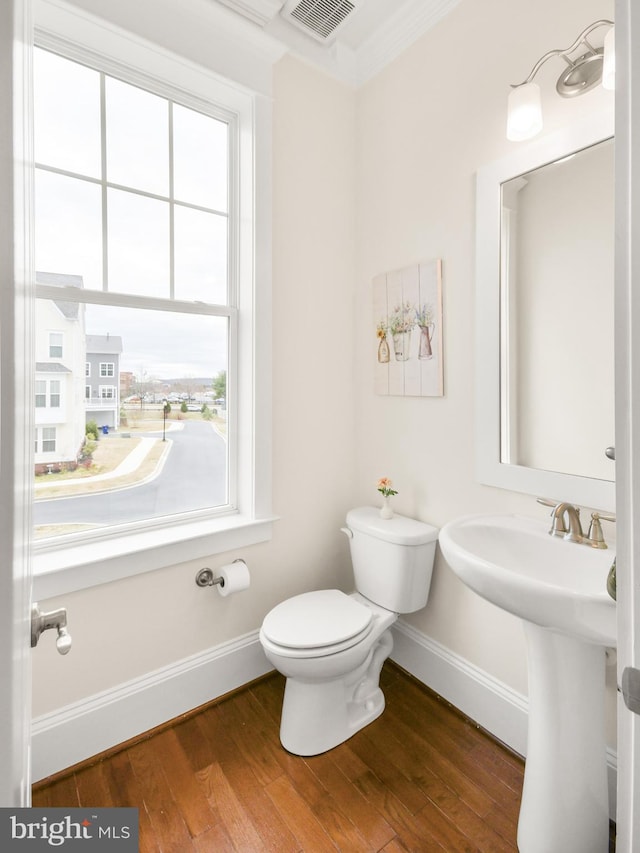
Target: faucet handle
<point>547,502</point>
<point>595,537</point>
<point>552,504</point>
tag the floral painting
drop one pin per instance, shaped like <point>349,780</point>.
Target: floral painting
<point>407,332</point>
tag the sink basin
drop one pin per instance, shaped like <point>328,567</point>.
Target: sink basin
<point>559,589</point>
<point>513,562</point>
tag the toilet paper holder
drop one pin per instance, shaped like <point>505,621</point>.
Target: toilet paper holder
<point>205,576</point>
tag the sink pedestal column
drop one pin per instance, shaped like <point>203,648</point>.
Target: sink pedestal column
<point>565,806</point>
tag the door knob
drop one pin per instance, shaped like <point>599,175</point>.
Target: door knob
<point>53,619</point>
<point>610,453</point>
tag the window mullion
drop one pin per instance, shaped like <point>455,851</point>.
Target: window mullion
<point>103,177</point>
<point>172,258</point>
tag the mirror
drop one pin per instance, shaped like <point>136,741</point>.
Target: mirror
<point>544,340</point>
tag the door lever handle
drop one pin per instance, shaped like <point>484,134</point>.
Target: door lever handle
<point>53,619</point>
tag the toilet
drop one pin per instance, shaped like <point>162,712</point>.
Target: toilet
<point>331,645</point>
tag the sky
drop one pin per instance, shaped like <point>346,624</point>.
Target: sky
<point>109,219</point>
<point>163,345</point>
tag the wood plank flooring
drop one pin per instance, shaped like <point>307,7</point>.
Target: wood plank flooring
<point>420,778</point>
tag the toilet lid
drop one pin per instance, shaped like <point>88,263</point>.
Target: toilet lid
<point>316,619</point>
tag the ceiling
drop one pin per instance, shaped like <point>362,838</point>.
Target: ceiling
<point>371,33</point>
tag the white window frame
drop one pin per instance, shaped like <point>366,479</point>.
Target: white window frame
<point>73,564</point>
<point>87,370</point>
<point>107,392</point>
<point>106,365</point>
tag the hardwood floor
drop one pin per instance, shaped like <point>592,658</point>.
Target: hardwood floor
<point>420,778</point>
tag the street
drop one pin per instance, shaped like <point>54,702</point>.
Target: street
<point>193,477</point>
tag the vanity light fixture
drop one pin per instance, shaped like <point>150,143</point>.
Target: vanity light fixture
<point>592,66</point>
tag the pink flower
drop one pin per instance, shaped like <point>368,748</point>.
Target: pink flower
<point>384,487</point>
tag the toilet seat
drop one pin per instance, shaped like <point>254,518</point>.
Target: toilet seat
<point>317,623</point>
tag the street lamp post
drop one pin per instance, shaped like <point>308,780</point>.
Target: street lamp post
<point>165,407</point>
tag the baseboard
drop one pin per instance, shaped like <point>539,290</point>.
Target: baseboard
<point>78,731</point>
<point>86,728</point>
<point>502,711</point>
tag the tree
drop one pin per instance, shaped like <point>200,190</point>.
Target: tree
<point>220,385</point>
<point>141,385</point>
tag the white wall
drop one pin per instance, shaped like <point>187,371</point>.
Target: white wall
<point>425,125</point>
<point>364,182</point>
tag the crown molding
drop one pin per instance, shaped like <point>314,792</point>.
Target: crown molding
<point>204,34</point>
<point>258,11</point>
<point>410,22</point>
<point>233,36</point>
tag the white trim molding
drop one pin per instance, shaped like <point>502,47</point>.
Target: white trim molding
<point>78,561</point>
<point>406,26</point>
<point>494,706</point>
<point>100,722</point>
<point>258,11</point>
<point>209,37</point>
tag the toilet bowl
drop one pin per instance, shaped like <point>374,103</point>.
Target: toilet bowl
<point>331,645</point>
<point>332,685</point>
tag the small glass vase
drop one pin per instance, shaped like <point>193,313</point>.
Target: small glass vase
<point>386,510</point>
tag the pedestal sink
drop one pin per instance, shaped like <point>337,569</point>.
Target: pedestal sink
<point>559,589</point>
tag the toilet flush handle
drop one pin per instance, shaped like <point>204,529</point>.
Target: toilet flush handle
<point>347,532</point>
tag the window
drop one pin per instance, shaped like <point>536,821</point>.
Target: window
<point>144,182</point>
<point>49,440</point>
<point>41,393</point>
<point>148,200</point>
<point>54,393</point>
<point>55,345</point>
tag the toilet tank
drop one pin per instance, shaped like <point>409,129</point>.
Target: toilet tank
<point>392,558</point>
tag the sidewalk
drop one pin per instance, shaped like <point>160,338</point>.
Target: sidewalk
<point>127,466</point>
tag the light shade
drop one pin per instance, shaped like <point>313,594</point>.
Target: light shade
<point>609,61</point>
<point>524,113</point>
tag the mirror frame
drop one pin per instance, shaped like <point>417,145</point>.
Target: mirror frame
<point>490,470</point>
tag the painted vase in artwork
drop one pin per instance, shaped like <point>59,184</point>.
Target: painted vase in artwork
<point>383,350</point>
<point>426,337</point>
<point>402,345</point>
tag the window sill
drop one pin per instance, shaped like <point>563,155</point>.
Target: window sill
<point>86,564</point>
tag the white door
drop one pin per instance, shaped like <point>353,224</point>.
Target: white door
<point>628,407</point>
<point>15,402</point>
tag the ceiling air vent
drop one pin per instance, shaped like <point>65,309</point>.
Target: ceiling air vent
<point>320,19</point>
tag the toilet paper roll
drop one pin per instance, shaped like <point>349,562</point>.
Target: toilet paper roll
<point>235,576</point>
